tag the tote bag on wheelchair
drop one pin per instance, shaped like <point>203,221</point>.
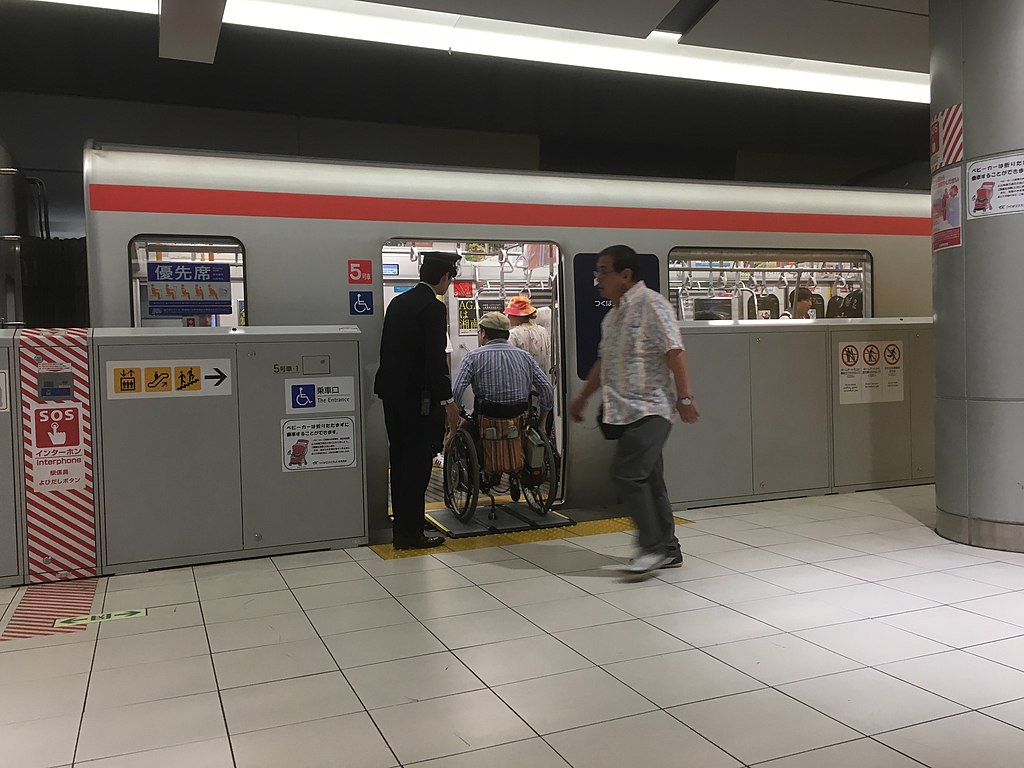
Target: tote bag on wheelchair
<point>502,445</point>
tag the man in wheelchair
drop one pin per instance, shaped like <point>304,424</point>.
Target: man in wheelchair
<point>503,378</point>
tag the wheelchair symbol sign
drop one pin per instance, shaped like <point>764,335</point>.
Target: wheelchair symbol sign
<point>360,302</point>
<point>303,395</point>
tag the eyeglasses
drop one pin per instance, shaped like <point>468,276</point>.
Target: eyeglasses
<point>598,272</point>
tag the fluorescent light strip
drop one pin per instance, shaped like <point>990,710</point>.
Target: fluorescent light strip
<point>135,6</point>
<point>660,54</point>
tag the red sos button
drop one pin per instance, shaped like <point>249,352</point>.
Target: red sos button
<point>57,427</point>
<point>360,272</point>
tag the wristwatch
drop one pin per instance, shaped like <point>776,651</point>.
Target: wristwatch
<point>685,400</point>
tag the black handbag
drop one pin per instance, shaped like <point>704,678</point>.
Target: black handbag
<point>610,431</point>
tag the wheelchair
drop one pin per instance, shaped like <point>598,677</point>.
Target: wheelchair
<point>465,477</point>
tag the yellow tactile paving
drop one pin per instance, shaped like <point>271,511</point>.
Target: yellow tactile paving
<point>588,528</point>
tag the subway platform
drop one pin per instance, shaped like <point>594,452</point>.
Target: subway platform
<point>830,631</point>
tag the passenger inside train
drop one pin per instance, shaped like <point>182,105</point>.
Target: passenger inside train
<point>800,302</point>
<point>526,334</point>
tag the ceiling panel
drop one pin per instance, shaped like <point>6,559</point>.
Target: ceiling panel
<point>826,30</point>
<point>189,29</point>
<point>636,18</point>
<point>919,7</point>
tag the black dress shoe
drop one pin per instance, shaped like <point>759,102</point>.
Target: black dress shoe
<point>423,541</point>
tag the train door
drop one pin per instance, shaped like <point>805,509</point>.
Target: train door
<point>491,274</point>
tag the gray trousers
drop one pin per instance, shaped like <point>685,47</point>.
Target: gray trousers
<point>638,470</point>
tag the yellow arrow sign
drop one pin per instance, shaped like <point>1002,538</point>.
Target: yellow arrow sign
<point>76,620</point>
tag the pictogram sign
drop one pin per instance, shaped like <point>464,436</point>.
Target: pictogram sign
<point>168,378</point>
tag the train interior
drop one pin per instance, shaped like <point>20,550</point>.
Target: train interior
<point>759,283</point>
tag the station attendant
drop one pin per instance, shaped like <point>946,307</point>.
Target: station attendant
<point>415,385</point>
<point>644,381</point>
<point>526,334</point>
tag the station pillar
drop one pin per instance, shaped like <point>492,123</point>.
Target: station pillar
<point>977,144</point>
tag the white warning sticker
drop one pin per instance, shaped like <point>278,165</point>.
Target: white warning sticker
<point>870,372</point>
<point>317,443</point>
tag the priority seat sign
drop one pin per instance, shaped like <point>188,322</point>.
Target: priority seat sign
<point>180,289</point>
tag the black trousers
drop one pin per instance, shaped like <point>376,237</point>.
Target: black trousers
<point>412,442</point>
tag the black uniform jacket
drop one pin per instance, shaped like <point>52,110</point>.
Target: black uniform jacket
<point>412,357</point>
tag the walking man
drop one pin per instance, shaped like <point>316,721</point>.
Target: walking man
<point>415,385</point>
<point>644,381</point>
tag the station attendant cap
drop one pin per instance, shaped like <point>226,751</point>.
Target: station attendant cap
<point>520,306</point>
<point>496,321</point>
<point>446,257</point>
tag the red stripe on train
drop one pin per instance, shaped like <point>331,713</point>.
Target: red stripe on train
<point>226,202</point>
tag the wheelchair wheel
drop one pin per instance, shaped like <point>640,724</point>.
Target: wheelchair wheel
<point>461,476</point>
<point>541,495</point>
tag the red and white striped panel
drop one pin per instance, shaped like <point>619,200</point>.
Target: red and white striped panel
<point>43,604</point>
<point>59,510</point>
<point>952,134</point>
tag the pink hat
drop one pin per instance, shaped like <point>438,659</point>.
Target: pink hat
<point>520,306</point>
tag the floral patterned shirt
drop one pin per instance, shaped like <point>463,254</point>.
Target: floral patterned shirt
<point>635,338</point>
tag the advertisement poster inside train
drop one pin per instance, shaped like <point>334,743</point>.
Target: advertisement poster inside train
<point>947,198</point>
<point>468,313</point>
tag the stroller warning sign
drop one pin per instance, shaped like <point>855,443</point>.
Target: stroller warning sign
<point>996,186</point>
<point>317,444</point>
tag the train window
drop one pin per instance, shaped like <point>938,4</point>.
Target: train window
<point>187,281</point>
<point>762,283</point>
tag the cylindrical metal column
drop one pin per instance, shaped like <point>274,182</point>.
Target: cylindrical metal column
<point>976,62</point>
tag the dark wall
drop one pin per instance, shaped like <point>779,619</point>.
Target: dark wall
<point>301,94</point>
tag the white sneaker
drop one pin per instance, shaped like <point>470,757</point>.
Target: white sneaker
<point>646,563</point>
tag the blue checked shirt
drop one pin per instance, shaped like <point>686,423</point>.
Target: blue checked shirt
<point>501,373</point>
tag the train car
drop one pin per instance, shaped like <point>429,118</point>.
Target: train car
<point>329,242</point>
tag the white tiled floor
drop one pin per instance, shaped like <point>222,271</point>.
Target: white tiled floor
<point>832,631</point>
